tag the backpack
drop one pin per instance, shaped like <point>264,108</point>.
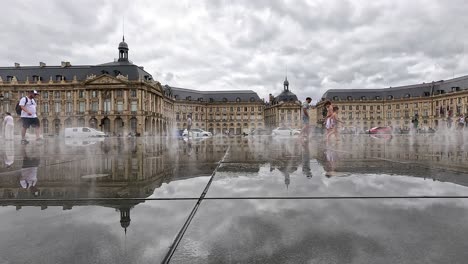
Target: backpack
<point>18,107</point>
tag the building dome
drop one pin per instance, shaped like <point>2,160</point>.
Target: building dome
<point>286,96</point>
<point>123,51</point>
<point>123,45</point>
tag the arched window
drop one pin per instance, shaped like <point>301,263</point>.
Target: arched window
<point>390,97</point>
<point>407,95</point>
<point>238,99</point>
<point>377,97</point>
<point>363,98</point>
<point>252,99</point>
<point>225,99</point>
<point>335,98</point>
<point>350,98</point>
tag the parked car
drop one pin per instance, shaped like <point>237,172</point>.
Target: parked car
<point>82,132</point>
<point>285,131</point>
<point>380,130</point>
<point>196,132</point>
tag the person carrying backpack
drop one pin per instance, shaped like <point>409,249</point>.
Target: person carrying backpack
<point>29,116</point>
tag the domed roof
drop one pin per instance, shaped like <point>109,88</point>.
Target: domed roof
<point>286,96</point>
<point>123,45</point>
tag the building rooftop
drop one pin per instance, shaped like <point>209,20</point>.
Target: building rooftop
<point>181,94</point>
<point>406,91</point>
<point>69,72</point>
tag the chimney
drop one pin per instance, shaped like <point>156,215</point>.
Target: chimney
<point>17,65</point>
<point>65,64</point>
<point>42,64</point>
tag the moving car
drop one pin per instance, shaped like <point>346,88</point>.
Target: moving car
<point>82,132</point>
<point>285,131</point>
<point>380,130</point>
<point>196,132</point>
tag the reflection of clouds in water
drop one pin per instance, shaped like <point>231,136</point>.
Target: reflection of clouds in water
<point>302,231</point>
<point>92,233</point>
<point>268,182</point>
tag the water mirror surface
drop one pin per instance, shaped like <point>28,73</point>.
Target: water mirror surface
<point>121,200</point>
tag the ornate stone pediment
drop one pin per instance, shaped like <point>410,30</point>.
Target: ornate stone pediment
<point>121,77</point>
<point>104,79</point>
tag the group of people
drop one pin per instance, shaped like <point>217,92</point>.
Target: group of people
<point>331,120</point>
<point>28,119</point>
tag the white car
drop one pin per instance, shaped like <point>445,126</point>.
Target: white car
<point>285,131</point>
<point>196,132</point>
<point>83,132</point>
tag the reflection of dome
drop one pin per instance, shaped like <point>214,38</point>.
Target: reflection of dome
<point>125,218</point>
<point>286,96</point>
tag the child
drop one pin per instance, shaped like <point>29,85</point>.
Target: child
<point>331,124</point>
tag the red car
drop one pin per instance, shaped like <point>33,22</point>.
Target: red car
<point>380,130</point>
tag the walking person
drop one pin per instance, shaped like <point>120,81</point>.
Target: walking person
<point>332,125</point>
<point>29,116</point>
<point>461,122</point>
<point>8,126</point>
<point>305,119</point>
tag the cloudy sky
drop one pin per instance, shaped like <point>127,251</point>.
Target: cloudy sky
<point>243,44</point>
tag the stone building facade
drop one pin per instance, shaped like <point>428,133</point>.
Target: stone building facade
<point>283,110</point>
<point>218,111</point>
<point>436,105</point>
<point>117,97</point>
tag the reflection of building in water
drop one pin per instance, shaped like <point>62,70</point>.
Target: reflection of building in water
<point>437,150</point>
<point>426,158</point>
<point>129,169</point>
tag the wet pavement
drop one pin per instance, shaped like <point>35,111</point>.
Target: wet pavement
<point>364,199</point>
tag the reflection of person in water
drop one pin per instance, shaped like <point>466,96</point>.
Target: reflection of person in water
<point>330,163</point>
<point>189,147</point>
<point>9,154</point>
<point>28,177</point>
<point>306,161</point>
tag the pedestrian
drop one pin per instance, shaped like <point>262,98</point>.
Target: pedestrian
<point>29,116</point>
<point>461,122</point>
<point>305,119</point>
<point>8,126</point>
<point>332,125</point>
<point>329,108</point>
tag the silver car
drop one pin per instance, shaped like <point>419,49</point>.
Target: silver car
<point>196,132</point>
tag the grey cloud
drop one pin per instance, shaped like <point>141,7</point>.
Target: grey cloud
<point>228,45</point>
